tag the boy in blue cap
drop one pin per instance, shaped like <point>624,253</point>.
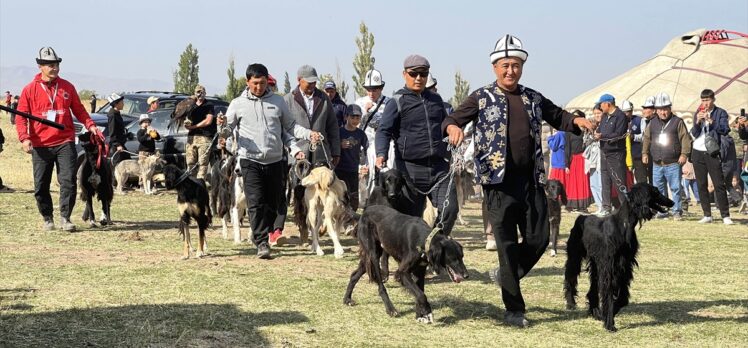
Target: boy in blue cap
<point>353,142</point>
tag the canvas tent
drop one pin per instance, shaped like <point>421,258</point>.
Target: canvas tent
<point>715,59</point>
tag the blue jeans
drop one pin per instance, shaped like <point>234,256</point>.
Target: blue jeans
<point>596,186</point>
<point>691,186</point>
<point>670,174</point>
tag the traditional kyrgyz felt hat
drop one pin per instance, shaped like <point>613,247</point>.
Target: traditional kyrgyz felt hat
<point>47,55</point>
<point>508,46</point>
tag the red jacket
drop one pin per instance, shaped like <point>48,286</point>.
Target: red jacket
<point>36,101</point>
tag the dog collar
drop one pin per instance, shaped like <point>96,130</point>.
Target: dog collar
<point>427,244</point>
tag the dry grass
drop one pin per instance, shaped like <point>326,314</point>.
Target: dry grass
<point>125,286</point>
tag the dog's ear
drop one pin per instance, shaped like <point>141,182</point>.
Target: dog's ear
<point>436,255</point>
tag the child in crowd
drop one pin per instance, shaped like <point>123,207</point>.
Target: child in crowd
<point>147,137</point>
<point>353,143</point>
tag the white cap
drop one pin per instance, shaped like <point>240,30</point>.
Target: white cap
<point>649,102</point>
<point>662,100</point>
<point>113,98</point>
<point>431,81</point>
<point>627,106</point>
<point>508,46</point>
<point>373,79</point>
<point>143,117</point>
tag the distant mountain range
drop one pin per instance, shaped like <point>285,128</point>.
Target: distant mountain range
<point>14,78</point>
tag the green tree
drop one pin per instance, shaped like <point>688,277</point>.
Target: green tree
<point>286,84</point>
<point>235,86</point>
<point>362,62</point>
<point>340,82</point>
<point>186,76</point>
<point>85,94</point>
<point>462,88</point>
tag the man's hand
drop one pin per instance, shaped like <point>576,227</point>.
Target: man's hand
<point>94,130</point>
<point>221,143</point>
<point>598,135</point>
<point>120,148</point>
<point>299,155</point>
<point>27,146</point>
<point>315,137</point>
<point>645,158</point>
<point>190,127</point>
<point>380,162</point>
<point>583,123</point>
<point>363,170</point>
<point>682,159</point>
<point>455,135</point>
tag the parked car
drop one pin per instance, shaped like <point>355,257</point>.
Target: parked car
<point>136,105</point>
<point>172,143</point>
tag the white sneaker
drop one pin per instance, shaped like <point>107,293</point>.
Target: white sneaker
<point>706,220</point>
<point>727,221</point>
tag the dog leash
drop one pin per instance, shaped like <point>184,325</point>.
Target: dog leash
<point>313,149</point>
<point>440,225</point>
<point>102,146</point>
<point>185,175</point>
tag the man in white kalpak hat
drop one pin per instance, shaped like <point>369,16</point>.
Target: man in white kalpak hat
<point>56,99</point>
<point>372,106</point>
<point>509,165</point>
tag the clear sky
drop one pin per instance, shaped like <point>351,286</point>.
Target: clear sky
<point>573,45</point>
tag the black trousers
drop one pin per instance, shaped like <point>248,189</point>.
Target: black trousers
<point>613,174</point>
<point>424,175</point>
<point>44,159</point>
<point>280,220</point>
<point>512,207</point>
<point>704,165</point>
<point>642,172</point>
<point>263,187</point>
<point>351,183</point>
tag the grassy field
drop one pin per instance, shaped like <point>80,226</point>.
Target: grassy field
<point>125,285</point>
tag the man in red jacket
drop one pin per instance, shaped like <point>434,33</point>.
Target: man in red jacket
<point>53,98</point>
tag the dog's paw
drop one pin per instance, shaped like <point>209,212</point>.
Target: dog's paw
<point>320,252</point>
<point>426,319</point>
<point>339,254</point>
<point>185,257</point>
<point>595,313</point>
<point>349,302</point>
<point>553,253</point>
<point>393,313</point>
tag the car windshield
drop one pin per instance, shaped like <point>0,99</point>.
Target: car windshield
<point>133,107</point>
<point>159,121</point>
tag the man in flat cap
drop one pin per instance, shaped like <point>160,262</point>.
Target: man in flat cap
<point>412,118</point>
<point>509,165</point>
<point>57,100</point>
<point>312,109</point>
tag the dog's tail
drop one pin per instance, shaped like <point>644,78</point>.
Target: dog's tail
<point>367,246</point>
<point>575,255</point>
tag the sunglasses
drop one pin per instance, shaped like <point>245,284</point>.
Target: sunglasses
<point>414,74</point>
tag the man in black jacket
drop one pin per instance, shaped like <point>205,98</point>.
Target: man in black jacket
<point>611,134</point>
<point>117,132</point>
<point>413,118</point>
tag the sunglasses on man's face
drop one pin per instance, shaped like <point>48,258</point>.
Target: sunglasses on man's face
<point>415,74</point>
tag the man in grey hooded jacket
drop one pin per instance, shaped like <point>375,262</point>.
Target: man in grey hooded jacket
<point>263,126</point>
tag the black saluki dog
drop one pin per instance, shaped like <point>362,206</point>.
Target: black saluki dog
<point>409,240</point>
<point>609,244</point>
<point>95,178</point>
<point>192,202</point>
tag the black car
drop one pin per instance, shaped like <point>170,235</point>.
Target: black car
<point>172,143</point>
<point>135,105</point>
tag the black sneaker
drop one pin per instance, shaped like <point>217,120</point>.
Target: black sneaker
<point>263,251</point>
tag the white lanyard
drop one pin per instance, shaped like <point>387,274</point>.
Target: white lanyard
<point>666,124</point>
<point>52,98</point>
